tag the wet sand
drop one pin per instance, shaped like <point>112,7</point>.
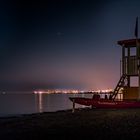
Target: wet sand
<point>84,123</point>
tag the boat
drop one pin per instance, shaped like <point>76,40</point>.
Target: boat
<point>105,103</point>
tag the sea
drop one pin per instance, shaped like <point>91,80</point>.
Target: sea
<point>13,104</point>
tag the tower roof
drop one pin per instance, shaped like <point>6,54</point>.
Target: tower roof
<point>128,42</point>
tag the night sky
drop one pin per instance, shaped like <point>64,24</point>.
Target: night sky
<point>63,43</point>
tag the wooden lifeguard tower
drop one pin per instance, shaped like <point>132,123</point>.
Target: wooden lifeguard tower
<point>130,68</point>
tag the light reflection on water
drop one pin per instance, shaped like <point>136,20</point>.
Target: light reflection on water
<point>40,102</point>
<point>14,104</point>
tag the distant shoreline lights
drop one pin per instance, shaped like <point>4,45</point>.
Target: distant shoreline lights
<point>67,91</point>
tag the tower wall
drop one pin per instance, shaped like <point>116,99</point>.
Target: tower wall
<point>131,93</point>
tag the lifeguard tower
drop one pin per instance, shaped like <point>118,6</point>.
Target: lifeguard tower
<point>129,82</point>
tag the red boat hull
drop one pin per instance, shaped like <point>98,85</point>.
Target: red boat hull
<point>105,103</point>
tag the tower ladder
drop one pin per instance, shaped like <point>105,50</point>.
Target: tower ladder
<point>120,84</point>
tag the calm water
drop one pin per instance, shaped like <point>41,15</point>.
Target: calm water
<point>15,104</point>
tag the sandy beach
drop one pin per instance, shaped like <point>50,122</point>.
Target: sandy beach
<point>84,123</point>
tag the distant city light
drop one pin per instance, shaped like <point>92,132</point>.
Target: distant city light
<point>66,91</point>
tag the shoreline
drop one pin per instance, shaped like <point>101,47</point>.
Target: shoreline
<point>35,113</point>
<point>84,123</point>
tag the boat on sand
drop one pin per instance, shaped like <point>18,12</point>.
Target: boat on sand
<point>105,103</point>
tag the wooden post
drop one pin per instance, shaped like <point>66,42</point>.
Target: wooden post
<point>138,59</point>
<point>138,53</point>
<point>123,60</point>
<point>73,109</point>
<point>120,68</point>
<point>128,67</point>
